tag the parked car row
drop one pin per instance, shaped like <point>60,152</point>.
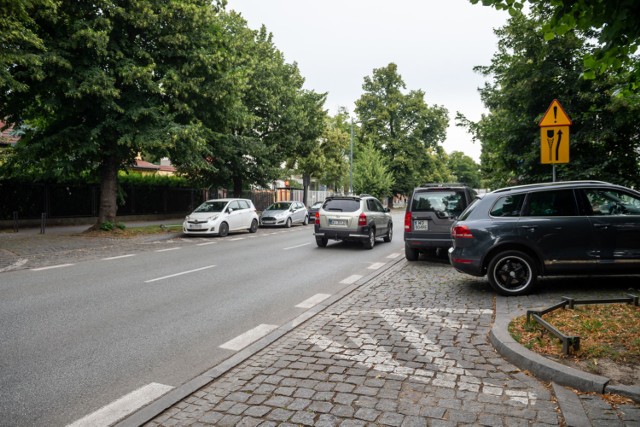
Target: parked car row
<point>221,216</point>
<point>511,235</point>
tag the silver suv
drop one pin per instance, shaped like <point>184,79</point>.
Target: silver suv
<point>360,218</point>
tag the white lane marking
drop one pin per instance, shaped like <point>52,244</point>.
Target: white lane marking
<point>168,249</point>
<point>351,279</point>
<point>179,274</point>
<point>206,243</point>
<point>118,257</point>
<point>109,414</point>
<point>299,246</point>
<point>313,301</point>
<point>51,266</point>
<point>376,265</point>
<point>236,239</point>
<point>241,341</point>
<point>393,256</point>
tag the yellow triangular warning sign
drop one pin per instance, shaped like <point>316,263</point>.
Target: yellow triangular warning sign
<point>555,116</point>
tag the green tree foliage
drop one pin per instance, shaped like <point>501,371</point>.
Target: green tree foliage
<point>403,128</point>
<point>371,174</point>
<point>464,169</point>
<point>528,74</point>
<point>335,151</point>
<point>613,23</point>
<point>273,118</point>
<point>111,79</point>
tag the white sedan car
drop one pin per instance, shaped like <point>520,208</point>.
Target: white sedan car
<point>284,214</point>
<point>221,216</point>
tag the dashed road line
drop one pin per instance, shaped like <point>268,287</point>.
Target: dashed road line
<point>51,267</point>
<point>169,249</point>
<point>313,301</point>
<point>109,414</point>
<point>179,274</point>
<point>241,341</point>
<point>206,243</point>
<point>299,246</point>
<point>376,265</point>
<point>236,239</point>
<point>351,279</point>
<point>118,257</point>
<point>393,256</point>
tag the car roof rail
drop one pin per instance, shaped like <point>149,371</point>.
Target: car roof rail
<point>443,184</point>
<point>548,184</point>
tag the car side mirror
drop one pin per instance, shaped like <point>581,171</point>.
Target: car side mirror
<point>387,210</point>
<point>229,210</point>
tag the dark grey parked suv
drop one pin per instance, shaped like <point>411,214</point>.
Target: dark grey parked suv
<point>515,234</point>
<point>430,213</point>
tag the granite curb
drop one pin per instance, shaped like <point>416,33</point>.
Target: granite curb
<point>546,369</point>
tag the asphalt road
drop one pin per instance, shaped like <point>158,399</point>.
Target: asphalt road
<point>77,337</point>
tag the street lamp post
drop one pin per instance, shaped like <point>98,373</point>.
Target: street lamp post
<point>351,161</point>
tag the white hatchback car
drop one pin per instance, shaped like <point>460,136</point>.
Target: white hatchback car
<point>220,216</point>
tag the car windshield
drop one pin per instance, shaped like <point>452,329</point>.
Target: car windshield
<point>279,206</point>
<point>211,206</point>
<point>342,205</point>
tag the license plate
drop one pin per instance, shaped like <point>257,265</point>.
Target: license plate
<point>342,222</point>
<point>196,226</point>
<point>421,225</point>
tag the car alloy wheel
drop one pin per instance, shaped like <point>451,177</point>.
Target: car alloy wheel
<point>512,273</point>
<point>224,229</point>
<point>371,240</point>
<point>254,226</point>
<point>389,235</point>
<point>288,225</point>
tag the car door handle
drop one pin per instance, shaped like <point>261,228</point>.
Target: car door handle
<point>529,227</point>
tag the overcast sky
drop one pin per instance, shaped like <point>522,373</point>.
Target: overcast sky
<point>435,43</point>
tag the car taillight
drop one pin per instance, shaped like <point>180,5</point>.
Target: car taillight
<point>362,220</point>
<point>318,217</point>
<point>407,222</point>
<point>461,232</point>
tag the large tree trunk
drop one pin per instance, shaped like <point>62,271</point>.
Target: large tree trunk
<point>237,186</point>
<point>108,191</point>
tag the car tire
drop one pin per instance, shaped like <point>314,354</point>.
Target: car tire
<point>321,242</point>
<point>411,254</point>
<point>306,220</point>
<point>224,229</point>
<point>512,273</point>
<point>254,226</point>
<point>370,242</point>
<point>288,224</point>
<point>389,235</point>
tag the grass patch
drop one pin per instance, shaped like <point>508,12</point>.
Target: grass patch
<point>609,331</point>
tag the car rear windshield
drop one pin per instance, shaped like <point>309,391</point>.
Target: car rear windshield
<point>443,201</point>
<point>342,205</point>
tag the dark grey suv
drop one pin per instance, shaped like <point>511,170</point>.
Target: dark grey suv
<point>515,234</point>
<point>360,218</point>
<point>430,213</point>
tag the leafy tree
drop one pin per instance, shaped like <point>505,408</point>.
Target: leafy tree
<point>272,120</point>
<point>403,128</point>
<point>109,79</point>
<point>614,23</point>
<point>371,175</point>
<point>335,150</point>
<point>528,74</point>
<point>464,169</point>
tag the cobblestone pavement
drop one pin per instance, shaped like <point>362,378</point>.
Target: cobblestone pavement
<point>408,348</point>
